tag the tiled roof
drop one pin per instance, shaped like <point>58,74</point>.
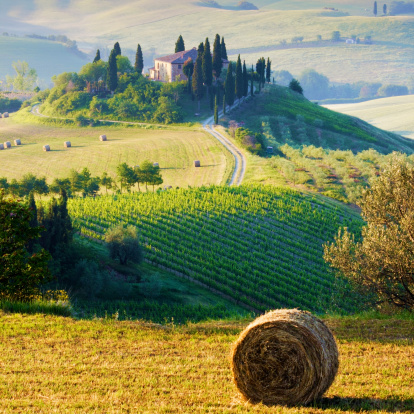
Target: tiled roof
<point>180,57</point>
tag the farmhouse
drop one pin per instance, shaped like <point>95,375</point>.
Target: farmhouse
<point>170,68</point>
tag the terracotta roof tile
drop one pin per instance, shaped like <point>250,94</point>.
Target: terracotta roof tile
<point>179,57</point>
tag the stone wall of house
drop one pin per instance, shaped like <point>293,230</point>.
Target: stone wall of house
<point>176,71</point>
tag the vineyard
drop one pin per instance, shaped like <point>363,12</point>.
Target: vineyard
<point>259,246</point>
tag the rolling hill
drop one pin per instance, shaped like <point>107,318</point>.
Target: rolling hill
<point>253,33</point>
<point>393,114</point>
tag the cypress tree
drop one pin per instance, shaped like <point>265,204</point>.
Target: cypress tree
<point>207,66</point>
<point>200,50</point>
<point>268,70</point>
<point>188,69</point>
<point>217,62</point>
<point>198,80</point>
<point>112,72</point>
<point>33,221</point>
<point>139,60</point>
<point>229,86</point>
<point>66,228</point>
<point>215,111</point>
<point>224,104</point>
<point>251,82</point>
<point>375,9</point>
<point>223,49</point>
<point>384,9</point>
<point>117,49</point>
<point>239,87</point>
<point>97,56</point>
<point>179,45</point>
<point>245,80</point>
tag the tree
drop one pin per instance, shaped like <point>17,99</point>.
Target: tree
<point>97,56</point>
<point>25,77</point>
<point>224,104</point>
<point>223,49</point>
<point>21,274</point>
<point>251,82</point>
<point>294,85</point>
<point>197,82</point>
<point>229,86</point>
<point>375,9</point>
<point>200,49</point>
<point>93,72</point>
<point>215,111</point>
<point>188,70</point>
<point>150,174</point>
<point>384,9</point>
<point>123,244</point>
<point>314,84</point>
<point>106,181</point>
<point>245,80</point>
<point>139,61</point>
<point>126,176</point>
<point>217,61</point>
<point>268,70</point>
<point>179,45</point>
<point>383,260</point>
<point>207,66</point>
<point>117,49</point>
<point>239,86</point>
<point>336,36</point>
<point>112,72</point>
<point>261,70</point>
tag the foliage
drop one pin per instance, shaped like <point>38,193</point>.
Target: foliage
<point>223,49</point>
<point>139,60</point>
<point>239,83</point>
<point>392,90</point>
<point>314,84</point>
<point>401,7</point>
<point>179,45</point>
<point>197,81</point>
<point>25,76</point>
<point>383,261</point>
<point>229,86</point>
<point>123,244</point>
<point>9,105</point>
<point>295,86</point>
<point>97,57</point>
<point>112,71</point>
<point>217,58</point>
<point>21,274</point>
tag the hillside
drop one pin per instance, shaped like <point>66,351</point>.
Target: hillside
<point>54,364</point>
<point>171,147</point>
<point>96,24</point>
<point>48,58</point>
<point>262,246</point>
<point>393,114</point>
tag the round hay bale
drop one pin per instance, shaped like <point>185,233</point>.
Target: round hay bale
<point>1,147</point>
<point>285,357</point>
<point>17,142</point>
<point>197,164</point>
<point>7,144</point>
<point>102,138</point>
<point>46,147</point>
<point>6,115</point>
<point>156,165</point>
<point>67,144</point>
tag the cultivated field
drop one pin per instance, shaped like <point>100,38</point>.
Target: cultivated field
<point>60,365</point>
<point>95,24</point>
<point>393,114</point>
<point>174,148</point>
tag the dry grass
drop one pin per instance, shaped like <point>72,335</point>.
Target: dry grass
<point>174,148</point>
<point>58,365</point>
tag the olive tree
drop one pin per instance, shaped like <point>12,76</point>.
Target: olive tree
<point>382,261</point>
<point>123,244</point>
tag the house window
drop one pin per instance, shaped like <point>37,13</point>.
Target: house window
<point>179,66</point>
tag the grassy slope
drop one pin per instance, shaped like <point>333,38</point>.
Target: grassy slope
<point>101,24</point>
<point>48,58</point>
<point>393,114</point>
<point>174,148</point>
<point>54,364</point>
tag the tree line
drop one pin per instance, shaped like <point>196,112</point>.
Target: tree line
<point>84,184</point>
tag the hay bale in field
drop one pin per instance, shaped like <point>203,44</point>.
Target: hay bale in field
<point>103,138</point>
<point>7,144</point>
<point>46,147</point>
<point>156,165</point>
<point>1,147</point>
<point>197,164</point>
<point>286,357</point>
<point>6,115</point>
<point>67,144</point>
<point>17,142</point>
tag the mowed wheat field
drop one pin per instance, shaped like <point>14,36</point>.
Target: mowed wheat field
<point>395,114</point>
<point>174,148</point>
<point>52,364</point>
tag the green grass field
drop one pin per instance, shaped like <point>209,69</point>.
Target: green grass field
<point>392,114</point>
<point>252,33</point>
<point>60,365</point>
<point>48,58</point>
<point>174,148</point>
